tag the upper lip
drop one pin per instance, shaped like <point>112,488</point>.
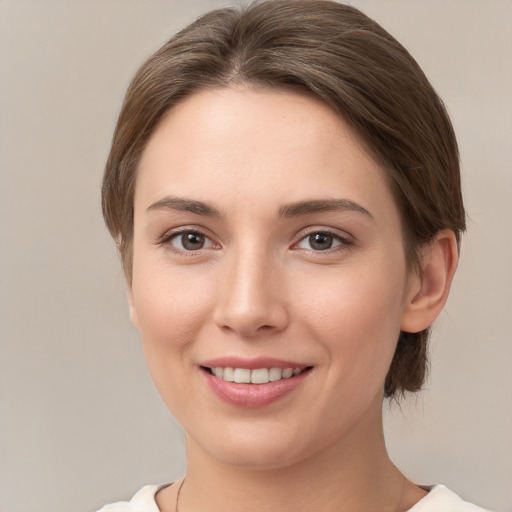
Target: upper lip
<point>251,364</point>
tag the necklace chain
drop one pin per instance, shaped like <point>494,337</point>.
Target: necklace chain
<point>178,495</point>
<point>177,509</point>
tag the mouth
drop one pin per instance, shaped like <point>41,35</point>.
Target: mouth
<point>256,375</point>
<point>255,382</point>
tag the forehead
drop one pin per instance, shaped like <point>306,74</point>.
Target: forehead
<point>251,145</point>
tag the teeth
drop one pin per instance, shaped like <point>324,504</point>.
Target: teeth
<point>287,373</point>
<point>242,375</point>
<point>275,374</point>
<point>257,376</point>
<point>227,374</point>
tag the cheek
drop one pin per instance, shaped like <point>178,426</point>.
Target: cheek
<point>171,308</point>
<point>356,316</point>
<point>168,304</point>
<point>352,298</point>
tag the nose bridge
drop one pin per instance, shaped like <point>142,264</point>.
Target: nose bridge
<point>249,299</point>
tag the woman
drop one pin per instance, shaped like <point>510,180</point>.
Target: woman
<point>284,190</point>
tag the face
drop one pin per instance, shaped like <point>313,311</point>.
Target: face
<point>266,242</point>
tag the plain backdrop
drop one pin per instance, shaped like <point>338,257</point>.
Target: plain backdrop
<point>80,421</point>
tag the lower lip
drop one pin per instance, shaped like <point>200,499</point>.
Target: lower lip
<point>252,396</point>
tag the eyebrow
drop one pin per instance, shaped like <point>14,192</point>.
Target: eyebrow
<point>321,205</point>
<point>289,210</point>
<point>185,205</point>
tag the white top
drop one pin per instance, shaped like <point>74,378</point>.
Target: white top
<point>439,499</point>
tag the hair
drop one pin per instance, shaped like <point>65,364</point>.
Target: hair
<point>339,55</point>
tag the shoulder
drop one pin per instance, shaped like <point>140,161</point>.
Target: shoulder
<point>143,501</point>
<point>441,499</point>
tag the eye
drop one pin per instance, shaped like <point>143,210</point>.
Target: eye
<point>321,241</point>
<point>187,241</point>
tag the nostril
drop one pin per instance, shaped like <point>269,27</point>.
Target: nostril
<point>249,317</point>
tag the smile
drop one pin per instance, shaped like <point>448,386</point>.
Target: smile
<point>256,376</point>
<point>253,383</point>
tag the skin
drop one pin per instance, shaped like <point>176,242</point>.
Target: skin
<point>258,287</point>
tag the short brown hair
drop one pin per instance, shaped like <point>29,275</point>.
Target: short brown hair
<point>338,54</point>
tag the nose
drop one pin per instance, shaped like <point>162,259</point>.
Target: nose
<point>251,298</point>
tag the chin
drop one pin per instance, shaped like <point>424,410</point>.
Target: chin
<point>255,458</point>
<point>267,448</point>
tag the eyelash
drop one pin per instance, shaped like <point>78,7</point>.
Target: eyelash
<point>343,243</point>
<point>166,240</point>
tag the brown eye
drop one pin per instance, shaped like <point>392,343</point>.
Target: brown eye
<point>189,241</point>
<point>192,241</point>
<point>320,241</point>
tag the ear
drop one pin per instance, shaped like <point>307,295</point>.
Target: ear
<point>429,288</point>
<point>134,317</point>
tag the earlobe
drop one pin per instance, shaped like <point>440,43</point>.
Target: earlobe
<point>134,317</point>
<point>429,289</point>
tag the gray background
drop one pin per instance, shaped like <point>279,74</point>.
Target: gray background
<point>80,422</point>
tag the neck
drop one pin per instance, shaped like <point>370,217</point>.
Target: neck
<point>352,473</point>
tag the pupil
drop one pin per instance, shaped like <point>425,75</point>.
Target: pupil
<point>192,241</point>
<point>320,241</point>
